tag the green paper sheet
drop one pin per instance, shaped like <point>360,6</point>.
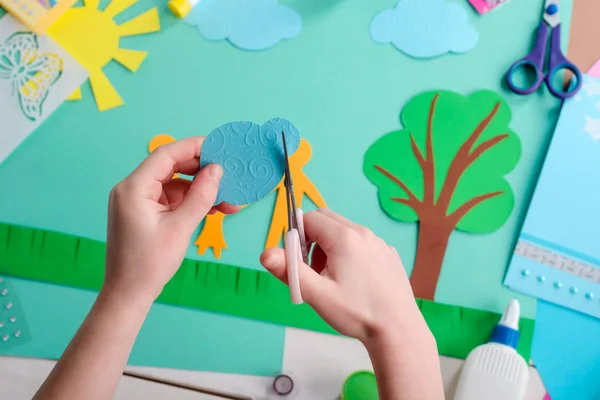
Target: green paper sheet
<point>68,260</point>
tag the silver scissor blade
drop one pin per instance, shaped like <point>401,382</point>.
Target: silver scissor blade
<point>552,19</point>
<point>289,191</point>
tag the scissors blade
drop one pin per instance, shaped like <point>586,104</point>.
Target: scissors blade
<point>552,12</point>
<point>289,191</point>
<point>293,212</point>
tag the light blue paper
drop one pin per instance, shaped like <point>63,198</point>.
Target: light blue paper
<point>172,337</point>
<point>247,24</point>
<point>425,29</point>
<point>564,216</point>
<point>333,82</point>
<point>251,156</point>
<point>566,352</point>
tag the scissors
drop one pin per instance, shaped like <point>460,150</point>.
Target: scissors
<point>295,241</point>
<point>556,60</point>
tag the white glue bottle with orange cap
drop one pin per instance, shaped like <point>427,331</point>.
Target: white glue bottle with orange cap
<point>495,371</point>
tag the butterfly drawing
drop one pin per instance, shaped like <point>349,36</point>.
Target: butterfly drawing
<point>31,72</point>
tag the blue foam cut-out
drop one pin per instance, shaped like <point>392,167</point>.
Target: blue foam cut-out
<point>251,156</point>
<point>247,24</point>
<point>425,29</point>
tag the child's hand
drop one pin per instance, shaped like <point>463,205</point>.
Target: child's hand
<point>152,217</point>
<point>362,290</point>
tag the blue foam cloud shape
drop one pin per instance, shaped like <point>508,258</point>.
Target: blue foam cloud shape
<point>247,24</point>
<point>425,28</point>
<point>251,156</point>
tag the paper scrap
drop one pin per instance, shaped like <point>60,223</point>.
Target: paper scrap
<point>446,169</point>
<point>425,29</point>
<point>247,24</point>
<point>36,76</point>
<point>92,36</point>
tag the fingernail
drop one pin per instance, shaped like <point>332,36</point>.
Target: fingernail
<point>268,259</point>
<point>215,171</point>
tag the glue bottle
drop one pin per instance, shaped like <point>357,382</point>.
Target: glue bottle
<point>495,371</point>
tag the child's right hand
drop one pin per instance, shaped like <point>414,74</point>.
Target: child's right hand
<point>362,289</point>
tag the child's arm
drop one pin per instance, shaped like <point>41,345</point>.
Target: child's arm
<point>151,219</point>
<point>363,292</point>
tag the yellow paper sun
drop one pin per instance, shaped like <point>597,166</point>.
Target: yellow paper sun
<point>92,37</point>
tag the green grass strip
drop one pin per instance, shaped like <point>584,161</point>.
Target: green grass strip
<point>68,260</point>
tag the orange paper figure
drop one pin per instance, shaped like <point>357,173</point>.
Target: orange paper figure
<point>302,186</point>
<point>159,140</point>
<point>211,235</point>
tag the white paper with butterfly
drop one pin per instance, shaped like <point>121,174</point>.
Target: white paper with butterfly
<point>36,76</point>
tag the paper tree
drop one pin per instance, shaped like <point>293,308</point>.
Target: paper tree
<point>446,169</point>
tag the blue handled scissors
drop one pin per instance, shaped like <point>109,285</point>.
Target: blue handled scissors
<point>295,241</point>
<point>556,60</point>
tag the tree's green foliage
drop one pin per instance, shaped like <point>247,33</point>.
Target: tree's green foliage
<point>481,166</point>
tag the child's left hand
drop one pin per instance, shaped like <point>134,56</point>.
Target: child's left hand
<point>152,217</point>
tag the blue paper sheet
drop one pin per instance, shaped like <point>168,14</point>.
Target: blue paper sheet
<point>425,29</point>
<point>566,352</point>
<point>557,257</point>
<point>172,337</point>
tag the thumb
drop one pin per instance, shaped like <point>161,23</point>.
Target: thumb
<point>312,285</point>
<point>200,197</point>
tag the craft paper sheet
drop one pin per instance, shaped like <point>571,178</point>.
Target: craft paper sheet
<point>566,352</point>
<point>425,29</point>
<point>557,256</point>
<point>36,76</point>
<point>253,25</point>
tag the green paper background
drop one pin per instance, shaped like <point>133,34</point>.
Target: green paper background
<point>339,88</point>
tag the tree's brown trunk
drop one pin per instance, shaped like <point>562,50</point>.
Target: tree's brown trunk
<point>431,247</point>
